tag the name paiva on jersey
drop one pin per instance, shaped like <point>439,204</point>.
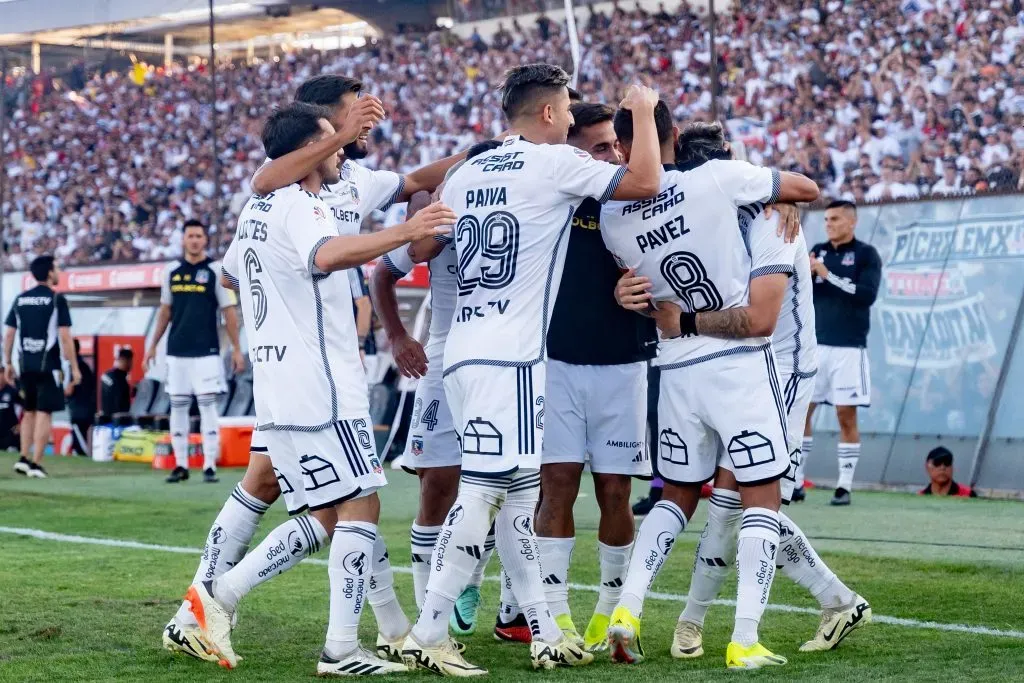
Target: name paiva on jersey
<point>267,353</point>
<point>467,313</point>
<point>499,162</point>
<point>488,196</point>
<point>650,208</point>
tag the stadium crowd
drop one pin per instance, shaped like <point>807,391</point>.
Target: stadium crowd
<point>879,100</point>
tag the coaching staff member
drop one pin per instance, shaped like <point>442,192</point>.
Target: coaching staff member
<point>596,402</point>
<point>846,274</point>
<point>191,298</point>
<point>40,324</point>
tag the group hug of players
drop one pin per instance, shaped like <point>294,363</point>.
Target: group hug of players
<point>536,364</point>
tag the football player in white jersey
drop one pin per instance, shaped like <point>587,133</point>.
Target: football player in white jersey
<point>515,205</point>
<point>720,400</point>
<point>794,345</point>
<point>432,447</point>
<point>310,393</point>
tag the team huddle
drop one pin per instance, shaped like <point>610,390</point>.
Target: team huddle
<point>563,258</point>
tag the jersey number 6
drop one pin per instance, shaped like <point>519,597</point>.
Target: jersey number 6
<point>496,242</point>
<point>253,268</point>
<point>689,280</point>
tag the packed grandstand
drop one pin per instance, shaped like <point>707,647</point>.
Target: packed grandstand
<point>882,100</point>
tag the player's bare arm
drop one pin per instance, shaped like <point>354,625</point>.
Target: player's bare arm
<point>643,171</point>
<point>231,325</point>
<point>795,187</point>
<point>9,371</point>
<point>67,348</point>
<point>408,353</point>
<point>290,168</point>
<point>163,319</point>
<point>757,319</point>
<point>348,251</point>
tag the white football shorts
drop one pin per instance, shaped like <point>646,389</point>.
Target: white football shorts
<point>432,441</point>
<point>320,469</point>
<point>499,415</point>
<point>796,392</point>
<point>597,413</point>
<point>844,376</point>
<point>195,376</point>
<point>726,411</point>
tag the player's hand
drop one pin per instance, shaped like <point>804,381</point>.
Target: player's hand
<point>409,357</point>
<point>639,98</point>
<point>435,219</point>
<point>10,374</point>
<point>76,376</point>
<point>68,390</point>
<point>238,361</point>
<point>666,317</point>
<point>789,220</point>
<point>366,112</point>
<point>631,291</point>
<point>149,358</point>
<point>818,268</point>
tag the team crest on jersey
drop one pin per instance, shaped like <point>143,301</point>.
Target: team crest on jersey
<point>319,214</point>
<point>848,258</point>
<point>581,153</point>
<point>417,446</point>
<point>346,171</point>
<point>354,192</point>
<point>203,276</point>
<point>375,465</point>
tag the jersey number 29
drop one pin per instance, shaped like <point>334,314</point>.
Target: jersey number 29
<point>487,251</point>
<point>689,280</point>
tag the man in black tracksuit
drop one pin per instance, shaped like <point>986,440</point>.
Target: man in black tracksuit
<point>40,323</point>
<point>115,390</point>
<point>82,406</point>
<point>847,273</point>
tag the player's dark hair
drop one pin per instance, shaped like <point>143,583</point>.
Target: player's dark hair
<point>524,85</point>
<point>126,353</point>
<point>326,90</point>
<point>699,142</point>
<point>41,267</point>
<point>842,204</point>
<point>623,123</point>
<point>194,223</point>
<point>291,127</point>
<point>482,147</point>
<point>574,95</point>
<point>585,115</point>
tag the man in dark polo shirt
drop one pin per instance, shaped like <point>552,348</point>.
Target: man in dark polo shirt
<point>596,403</point>
<point>846,274</point>
<point>40,323</point>
<point>191,299</point>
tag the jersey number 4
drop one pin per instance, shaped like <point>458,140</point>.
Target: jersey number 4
<point>689,280</point>
<point>487,251</point>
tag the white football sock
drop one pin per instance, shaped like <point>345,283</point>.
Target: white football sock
<point>349,567</point>
<point>283,548</point>
<point>485,557</point>
<point>229,538</point>
<point>805,452</point>
<point>756,553</point>
<point>391,619</point>
<point>210,429</point>
<point>801,564</point>
<point>509,608</point>
<point>614,562</point>
<point>849,454</point>
<point>716,553</point>
<point>651,548</point>
<point>517,547</point>
<point>179,429</point>
<point>421,542</point>
<point>555,554</point>
<point>458,549</point>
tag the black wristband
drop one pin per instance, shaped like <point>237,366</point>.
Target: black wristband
<point>687,324</point>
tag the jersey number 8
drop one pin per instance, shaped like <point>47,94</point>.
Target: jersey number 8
<point>496,242</point>
<point>689,280</point>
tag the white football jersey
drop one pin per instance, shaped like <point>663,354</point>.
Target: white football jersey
<point>443,291</point>
<point>794,341</point>
<point>515,205</point>
<point>307,373</point>
<point>691,244</point>
<point>360,192</point>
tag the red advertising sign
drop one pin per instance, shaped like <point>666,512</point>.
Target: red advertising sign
<point>134,276</point>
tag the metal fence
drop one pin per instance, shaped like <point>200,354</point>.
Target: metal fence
<point>945,363</point>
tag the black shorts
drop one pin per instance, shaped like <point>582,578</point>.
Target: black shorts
<point>42,392</point>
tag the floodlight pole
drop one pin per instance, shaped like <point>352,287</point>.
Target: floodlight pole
<point>213,126</point>
<point>714,63</point>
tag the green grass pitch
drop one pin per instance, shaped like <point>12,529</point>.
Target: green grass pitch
<point>80,612</point>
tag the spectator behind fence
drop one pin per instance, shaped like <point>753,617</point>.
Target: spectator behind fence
<point>81,405</point>
<point>116,392</point>
<point>939,465</point>
<point>10,416</point>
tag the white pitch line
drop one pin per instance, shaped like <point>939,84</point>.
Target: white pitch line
<point>654,595</point>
